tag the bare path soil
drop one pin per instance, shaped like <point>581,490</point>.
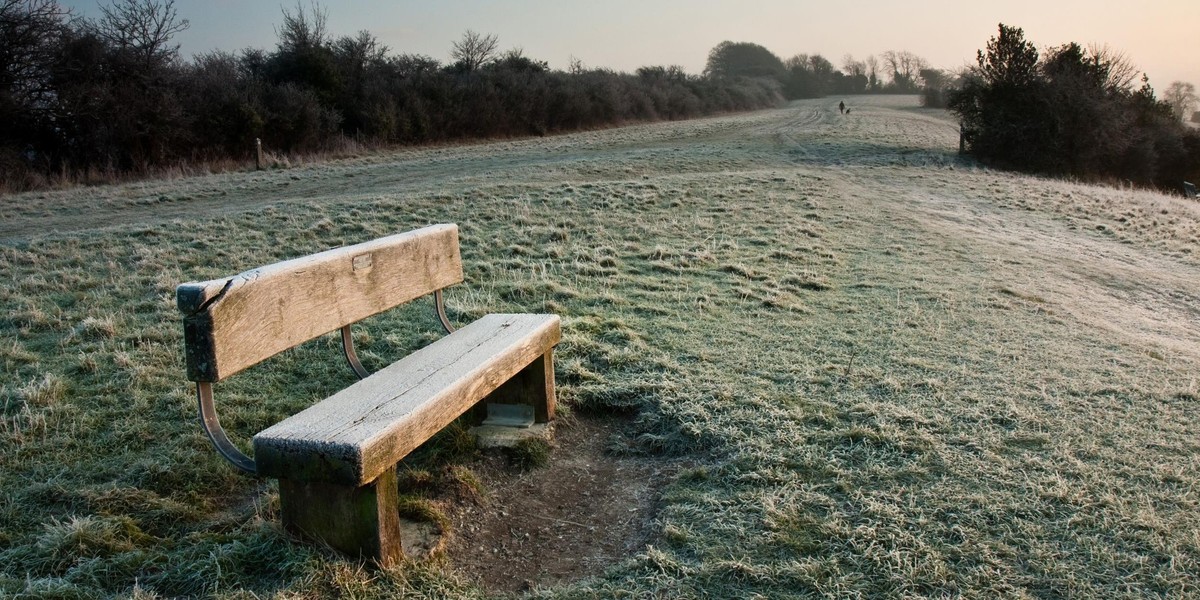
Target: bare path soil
<point>582,513</point>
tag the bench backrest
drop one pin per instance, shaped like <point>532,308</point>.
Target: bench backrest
<point>236,322</point>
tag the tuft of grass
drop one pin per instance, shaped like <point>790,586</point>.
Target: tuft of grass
<point>529,453</point>
<point>14,354</point>
<point>97,327</point>
<point>464,484</point>
<point>423,510</point>
<point>416,481</point>
<point>43,392</point>
<point>68,542</point>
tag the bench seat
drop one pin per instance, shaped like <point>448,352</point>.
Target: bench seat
<point>357,434</point>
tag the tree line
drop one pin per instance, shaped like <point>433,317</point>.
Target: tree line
<point>814,76</point>
<point>1074,111</point>
<point>111,95</point>
<point>92,99</point>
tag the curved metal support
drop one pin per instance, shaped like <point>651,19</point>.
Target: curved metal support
<point>440,302</point>
<point>212,426</point>
<point>351,357</point>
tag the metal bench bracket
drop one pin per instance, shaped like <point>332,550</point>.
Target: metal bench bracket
<point>351,357</point>
<point>440,302</point>
<point>212,427</point>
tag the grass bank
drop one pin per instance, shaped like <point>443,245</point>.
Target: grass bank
<point>892,373</point>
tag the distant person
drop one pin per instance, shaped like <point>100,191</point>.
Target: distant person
<point>842,107</point>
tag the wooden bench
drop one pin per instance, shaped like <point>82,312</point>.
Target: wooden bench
<point>336,460</point>
<point>1189,189</point>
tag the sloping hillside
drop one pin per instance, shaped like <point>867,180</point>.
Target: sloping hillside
<point>866,367</point>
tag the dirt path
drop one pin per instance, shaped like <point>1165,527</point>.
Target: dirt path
<point>571,519</point>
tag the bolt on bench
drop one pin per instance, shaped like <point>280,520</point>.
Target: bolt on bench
<point>336,460</point>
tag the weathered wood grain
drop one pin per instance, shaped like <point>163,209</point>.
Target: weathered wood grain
<point>236,322</point>
<point>354,435</point>
<point>360,521</point>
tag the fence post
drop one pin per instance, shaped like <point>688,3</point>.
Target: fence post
<point>258,164</point>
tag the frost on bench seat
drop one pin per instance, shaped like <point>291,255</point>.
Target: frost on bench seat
<point>358,433</point>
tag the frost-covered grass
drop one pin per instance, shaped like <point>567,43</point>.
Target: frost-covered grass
<point>894,374</point>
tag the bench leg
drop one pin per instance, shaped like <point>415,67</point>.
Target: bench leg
<point>533,385</point>
<point>359,521</point>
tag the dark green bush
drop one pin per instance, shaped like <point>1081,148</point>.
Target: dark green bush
<point>1071,112</point>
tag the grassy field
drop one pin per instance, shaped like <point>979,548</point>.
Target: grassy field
<point>890,373</point>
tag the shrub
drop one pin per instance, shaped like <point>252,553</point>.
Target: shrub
<point>1071,112</point>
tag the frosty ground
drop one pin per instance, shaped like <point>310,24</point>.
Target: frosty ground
<point>869,367</point>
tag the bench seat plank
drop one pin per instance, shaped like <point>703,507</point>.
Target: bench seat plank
<point>361,431</point>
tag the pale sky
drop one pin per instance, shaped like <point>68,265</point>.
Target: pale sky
<point>1160,37</point>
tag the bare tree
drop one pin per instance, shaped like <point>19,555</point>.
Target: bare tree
<point>853,68</point>
<point>904,66</point>
<point>414,65</point>
<point>355,58</point>
<point>474,49</point>
<point>891,61</point>
<point>872,71</point>
<point>575,65</point>
<point>358,52</point>
<point>1121,71</point>
<point>303,30</point>
<point>913,65</point>
<point>28,29</point>
<point>1181,97</point>
<point>144,27</point>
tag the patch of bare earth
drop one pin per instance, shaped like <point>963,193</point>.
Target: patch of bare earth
<point>573,518</point>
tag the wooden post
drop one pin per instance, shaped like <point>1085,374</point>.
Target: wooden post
<point>359,521</point>
<point>258,162</point>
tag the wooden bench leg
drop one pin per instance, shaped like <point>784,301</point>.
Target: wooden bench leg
<point>533,385</point>
<point>359,521</point>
